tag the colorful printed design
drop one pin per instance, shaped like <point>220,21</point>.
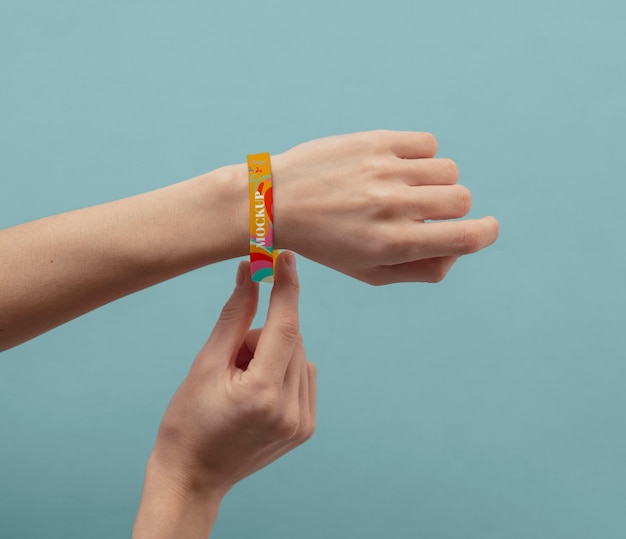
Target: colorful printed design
<point>262,253</point>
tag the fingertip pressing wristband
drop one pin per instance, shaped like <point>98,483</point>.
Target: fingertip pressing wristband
<point>262,252</point>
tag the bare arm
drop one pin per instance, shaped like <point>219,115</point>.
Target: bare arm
<point>375,206</point>
<point>57,268</point>
<point>249,398</point>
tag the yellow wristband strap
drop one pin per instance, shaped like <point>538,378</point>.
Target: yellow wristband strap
<point>262,252</point>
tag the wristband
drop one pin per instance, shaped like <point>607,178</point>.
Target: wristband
<point>262,252</point>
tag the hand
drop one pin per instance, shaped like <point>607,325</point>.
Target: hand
<point>361,204</point>
<point>249,398</point>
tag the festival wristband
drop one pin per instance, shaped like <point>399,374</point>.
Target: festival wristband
<point>262,252</point>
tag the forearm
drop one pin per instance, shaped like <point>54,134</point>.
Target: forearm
<point>57,268</point>
<point>376,206</point>
<point>169,510</point>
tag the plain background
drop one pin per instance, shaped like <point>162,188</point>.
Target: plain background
<point>488,406</point>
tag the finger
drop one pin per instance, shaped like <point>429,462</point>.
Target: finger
<point>431,270</point>
<point>429,202</point>
<point>293,373</point>
<point>412,145</point>
<point>433,240</point>
<point>301,398</point>
<point>456,238</point>
<point>312,379</point>
<point>430,171</point>
<point>252,339</point>
<point>246,350</point>
<point>281,330</point>
<point>235,319</point>
<point>303,393</point>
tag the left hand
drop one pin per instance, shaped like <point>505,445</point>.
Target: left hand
<point>377,206</point>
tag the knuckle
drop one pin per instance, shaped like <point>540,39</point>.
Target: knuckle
<point>378,141</point>
<point>375,247</point>
<point>451,170</point>
<point>437,273</point>
<point>229,312</point>
<point>286,426</point>
<point>293,285</point>
<point>306,430</point>
<point>379,134</point>
<point>265,404</point>
<point>369,140</point>
<point>471,238</point>
<point>379,167</point>
<point>289,327</point>
<point>430,143</point>
<point>310,432</point>
<point>312,370</point>
<point>299,347</point>
<point>233,310</point>
<point>384,202</point>
<point>463,201</point>
<point>395,246</point>
<point>376,279</point>
<point>312,427</point>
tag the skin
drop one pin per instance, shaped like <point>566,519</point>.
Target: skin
<point>373,205</point>
<point>248,399</point>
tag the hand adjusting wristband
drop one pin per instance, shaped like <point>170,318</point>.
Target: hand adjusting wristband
<point>262,253</point>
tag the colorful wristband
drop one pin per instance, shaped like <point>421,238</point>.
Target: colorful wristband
<point>262,252</point>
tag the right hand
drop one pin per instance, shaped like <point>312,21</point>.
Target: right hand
<point>249,398</point>
<point>360,204</point>
<point>250,395</point>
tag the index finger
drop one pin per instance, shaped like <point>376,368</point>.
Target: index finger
<point>441,238</point>
<point>280,333</point>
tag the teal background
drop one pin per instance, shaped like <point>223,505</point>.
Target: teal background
<point>490,405</point>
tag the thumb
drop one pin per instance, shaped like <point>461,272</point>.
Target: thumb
<point>280,333</point>
<point>235,319</point>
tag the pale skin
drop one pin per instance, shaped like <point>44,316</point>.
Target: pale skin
<point>375,205</point>
<point>249,398</point>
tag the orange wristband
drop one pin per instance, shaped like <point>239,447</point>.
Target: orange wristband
<point>262,252</point>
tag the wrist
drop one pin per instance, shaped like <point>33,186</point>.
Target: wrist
<point>173,507</point>
<point>225,196</point>
<point>223,202</point>
<point>183,226</point>
<point>237,179</point>
<point>286,218</point>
